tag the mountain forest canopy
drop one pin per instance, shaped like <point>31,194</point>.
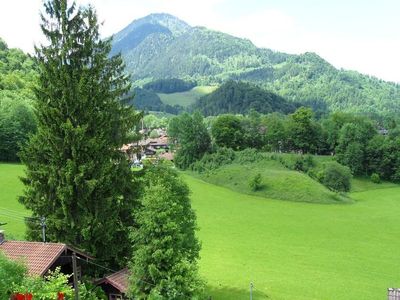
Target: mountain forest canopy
<point>161,46</point>
<point>241,98</point>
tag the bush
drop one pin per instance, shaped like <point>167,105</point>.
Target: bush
<point>375,178</point>
<point>255,183</point>
<point>212,161</point>
<point>11,273</point>
<point>154,134</point>
<point>248,155</point>
<point>335,177</point>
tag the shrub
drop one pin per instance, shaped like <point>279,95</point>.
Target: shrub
<point>255,183</point>
<point>304,163</point>
<point>335,177</point>
<point>11,272</point>
<point>375,178</point>
<point>154,134</point>
<point>212,161</point>
<point>248,155</point>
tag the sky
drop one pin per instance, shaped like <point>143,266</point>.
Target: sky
<point>361,35</point>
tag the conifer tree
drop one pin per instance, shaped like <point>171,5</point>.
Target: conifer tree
<point>76,176</point>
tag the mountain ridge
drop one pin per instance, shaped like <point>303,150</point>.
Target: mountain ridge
<point>161,46</point>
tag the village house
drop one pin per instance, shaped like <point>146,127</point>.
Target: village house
<point>148,148</point>
<point>115,285</point>
<point>41,257</point>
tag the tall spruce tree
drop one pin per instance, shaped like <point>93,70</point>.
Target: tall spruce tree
<point>76,176</point>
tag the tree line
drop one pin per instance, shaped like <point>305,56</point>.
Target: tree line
<point>364,145</point>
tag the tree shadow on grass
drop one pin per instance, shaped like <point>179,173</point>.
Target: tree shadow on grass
<point>229,293</point>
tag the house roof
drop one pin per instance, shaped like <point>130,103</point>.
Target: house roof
<point>119,280</point>
<point>39,257</point>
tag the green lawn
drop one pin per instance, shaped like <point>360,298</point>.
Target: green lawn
<point>11,211</point>
<point>295,250</point>
<point>186,98</point>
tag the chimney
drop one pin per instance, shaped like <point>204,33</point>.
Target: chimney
<point>2,237</point>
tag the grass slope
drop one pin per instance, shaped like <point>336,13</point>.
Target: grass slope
<point>186,98</point>
<point>297,250</point>
<point>11,211</point>
<point>278,182</point>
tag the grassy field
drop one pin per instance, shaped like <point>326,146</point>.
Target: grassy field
<point>11,211</point>
<point>186,98</point>
<point>288,250</point>
<point>297,250</point>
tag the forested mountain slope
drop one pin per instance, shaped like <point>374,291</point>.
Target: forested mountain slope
<point>241,98</point>
<point>162,46</point>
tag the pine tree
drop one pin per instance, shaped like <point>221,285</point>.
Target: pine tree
<point>76,176</point>
<point>164,263</point>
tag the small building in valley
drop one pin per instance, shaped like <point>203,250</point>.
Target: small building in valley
<point>115,285</point>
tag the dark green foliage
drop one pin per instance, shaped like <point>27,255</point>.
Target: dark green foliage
<point>303,132</point>
<point>212,161</point>
<point>76,176</point>
<point>17,122</point>
<point>375,178</point>
<point>352,144</point>
<point>192,136</point>
<point>240,98</point>
<point>147,100</point>
<point>165,248</point>
<point>169,86</point>
<point>228,132</point>
<point>335,177</point>
<point>11,273</point>
<point>255,183</point>
<point>382,157</point>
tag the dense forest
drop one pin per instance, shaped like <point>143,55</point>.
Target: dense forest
<point>211,57</point>
<point>169,86</point>
<point>17,121</point>
<point>241,98</point>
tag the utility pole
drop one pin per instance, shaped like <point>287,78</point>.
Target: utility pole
<point>251,291</point>
<point>74,270</point>
<point>43,224</point>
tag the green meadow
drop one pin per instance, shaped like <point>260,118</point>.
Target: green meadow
<point>11,211</point>
<point>186,98</point>
<point>287,249</point>
<point>293,250</point>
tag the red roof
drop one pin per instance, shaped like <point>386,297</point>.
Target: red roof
<point>38,256</point>
<point>119,280</point>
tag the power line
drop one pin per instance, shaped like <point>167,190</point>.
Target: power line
<point>10,210</point>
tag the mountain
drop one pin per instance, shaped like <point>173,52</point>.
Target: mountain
<point>161,46</point>
<point>241,98</point>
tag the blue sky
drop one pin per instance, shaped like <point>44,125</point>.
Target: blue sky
<point>352,34</point>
